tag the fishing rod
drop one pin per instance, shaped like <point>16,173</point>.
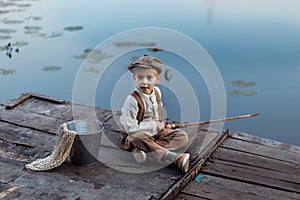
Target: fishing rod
<point>183,124</point>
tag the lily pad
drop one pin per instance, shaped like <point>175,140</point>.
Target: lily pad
<point>54,35</point>
<point>4,37</point>
<point>20,43</point>
<point>92,56</point>
<point>51,68</point>
<point>128,44</point>
<point>24,5</point>
<point>7,31</point>
<point>7,71</point>
<point>34,18</point>
<point>6,4</point>
<point>33,28</point>
<point>38,35</point>
<point>92,70</point>
<point>242,93</point>
<point>2,12</point>
<point>11,21</point>
<point>240,83</point>
<point>73,28</point>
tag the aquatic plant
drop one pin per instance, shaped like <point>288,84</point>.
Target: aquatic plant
<point>33,28</point>
<point>34,18</point>
<point>2,12</point>
<point>11,21</point>
<point>9,49</point>
<point>19,43</point>
<point>24,5</point>
<point>7,71</point>
<point>53,35</point>
<point>51,68</point>
<point>128,44</point>
<point>92,56</point>
<point>240,83</point>
<point>6,4</point>
<point>242,93</point>
<point>73,28</point>
<point>7,31</point>
<point>91,70</point>
<point>5,37</point>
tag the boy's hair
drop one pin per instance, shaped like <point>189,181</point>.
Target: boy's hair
<point>148,62</point>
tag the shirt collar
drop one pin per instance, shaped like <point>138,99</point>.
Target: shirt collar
<point>148,96</point>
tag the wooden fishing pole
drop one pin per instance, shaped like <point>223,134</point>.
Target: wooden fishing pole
<point>182,124</point>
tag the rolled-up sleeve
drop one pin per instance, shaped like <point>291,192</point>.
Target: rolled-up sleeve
<point>129,120</point>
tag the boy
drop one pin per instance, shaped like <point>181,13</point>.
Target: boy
<point>141,119</point>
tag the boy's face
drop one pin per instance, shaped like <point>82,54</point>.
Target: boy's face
<point>145,79</point>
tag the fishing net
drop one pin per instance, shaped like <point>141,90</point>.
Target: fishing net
<point>64,142</point>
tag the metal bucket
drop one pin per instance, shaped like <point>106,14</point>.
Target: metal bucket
<point>85,149</point>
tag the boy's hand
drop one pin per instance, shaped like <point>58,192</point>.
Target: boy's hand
<point>168,126</point>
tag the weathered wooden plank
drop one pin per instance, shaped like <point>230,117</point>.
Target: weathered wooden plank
<point>81,183</point>
<point>256,160</point>
<point>148,183</point>
<point>262,150</point>
<point>10,104</point>
<point>174,190</point>
<point>30,120</point>
<point>64,111</point>
<point>211,187</point>
<point>61,111</point>
<point>8,172</point>
<point>202,144</point>
<point>183,196</point>
<point>6,190</point>
<point>253,175</point>
<point>25,136</point>
<point>266,142</point>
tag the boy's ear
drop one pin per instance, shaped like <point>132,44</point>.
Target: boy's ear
<point>133,76</point>
<point>158,78</point>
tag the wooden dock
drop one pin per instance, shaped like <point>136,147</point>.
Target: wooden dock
<point>223,165</point>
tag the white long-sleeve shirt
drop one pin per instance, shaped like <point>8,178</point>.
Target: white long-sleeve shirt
<point>130,110</point>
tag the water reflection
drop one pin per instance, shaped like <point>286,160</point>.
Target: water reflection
<point>210,6</point>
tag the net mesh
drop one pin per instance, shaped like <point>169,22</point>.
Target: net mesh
<point>62,148</point>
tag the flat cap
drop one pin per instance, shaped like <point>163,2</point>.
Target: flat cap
<point>146,62</point>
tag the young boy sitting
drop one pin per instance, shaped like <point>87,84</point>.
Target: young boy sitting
<point>141,119</point>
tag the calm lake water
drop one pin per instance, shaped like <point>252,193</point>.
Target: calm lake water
<point>254,44</point>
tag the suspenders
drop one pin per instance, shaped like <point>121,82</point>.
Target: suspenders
<point>141,112</point>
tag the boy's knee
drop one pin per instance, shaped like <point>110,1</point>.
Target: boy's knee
<point>184,137</point>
